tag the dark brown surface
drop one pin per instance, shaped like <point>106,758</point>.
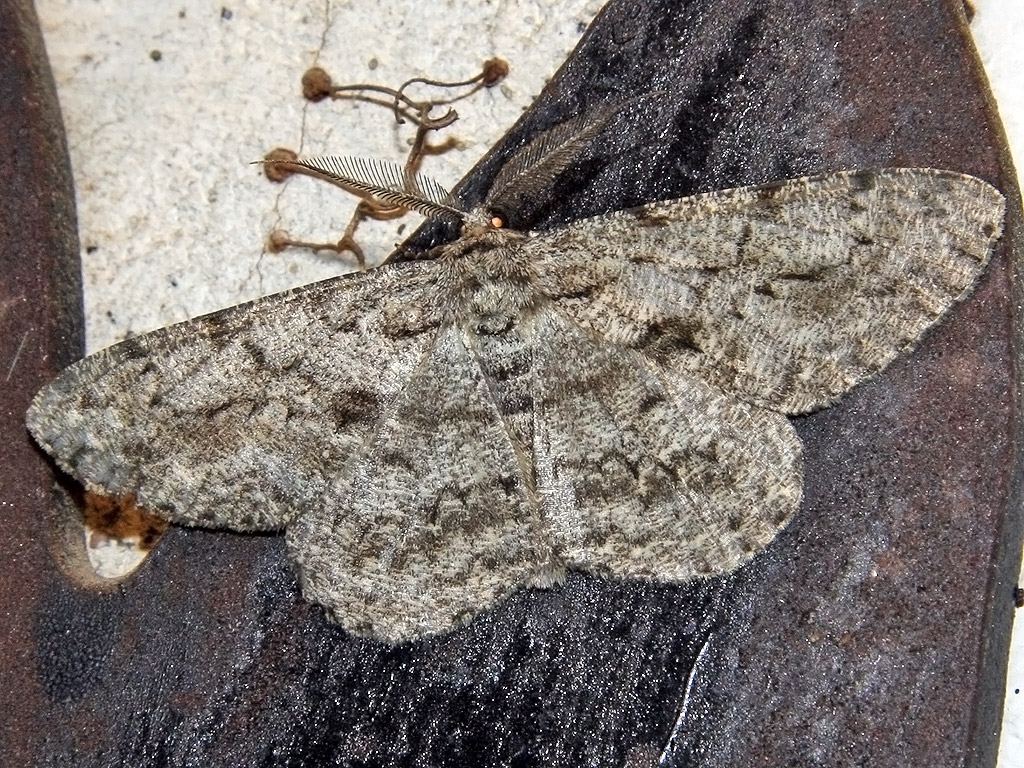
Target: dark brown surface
<point>40,333</point>
<point>872,632</point>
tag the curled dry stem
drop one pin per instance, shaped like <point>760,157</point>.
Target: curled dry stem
<point>318,85</point>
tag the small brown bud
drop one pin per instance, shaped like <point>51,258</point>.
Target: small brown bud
<point>316,84</point>
<point>495,70</point>
<point>278,241</point>
<point>272,164</point>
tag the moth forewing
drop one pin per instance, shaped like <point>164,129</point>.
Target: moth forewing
<point>787,294</point>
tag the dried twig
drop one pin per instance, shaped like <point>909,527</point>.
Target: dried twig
<point>317,85</point>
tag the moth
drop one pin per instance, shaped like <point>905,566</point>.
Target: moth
<point>611,395</point>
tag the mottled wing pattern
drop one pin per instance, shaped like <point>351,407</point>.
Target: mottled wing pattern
<point>787,294</point>
<point>243,418</point>
<point>650,473</point>
<point>608,396</point>
<point>436,521</point>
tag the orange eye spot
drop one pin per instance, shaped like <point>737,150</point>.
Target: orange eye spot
<point>497,222</point>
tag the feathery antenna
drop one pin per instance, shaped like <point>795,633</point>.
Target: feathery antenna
<point>381,180</point>
<point>537,165</point>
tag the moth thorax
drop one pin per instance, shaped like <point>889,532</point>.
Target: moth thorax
<point>494,303</point>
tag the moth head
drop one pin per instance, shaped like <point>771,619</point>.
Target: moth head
<point>482,220</point>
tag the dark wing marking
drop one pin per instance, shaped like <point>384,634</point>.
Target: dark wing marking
<point>436,520</point>
<point>244,417</point>
<point>653,474</point>
<point>788,294</point>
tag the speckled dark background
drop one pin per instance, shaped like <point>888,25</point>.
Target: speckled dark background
<point>873,631</point>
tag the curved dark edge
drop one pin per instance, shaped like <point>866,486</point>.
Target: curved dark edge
<point>41,331</point>
<point>982,748</point>
<point>994,654</point>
